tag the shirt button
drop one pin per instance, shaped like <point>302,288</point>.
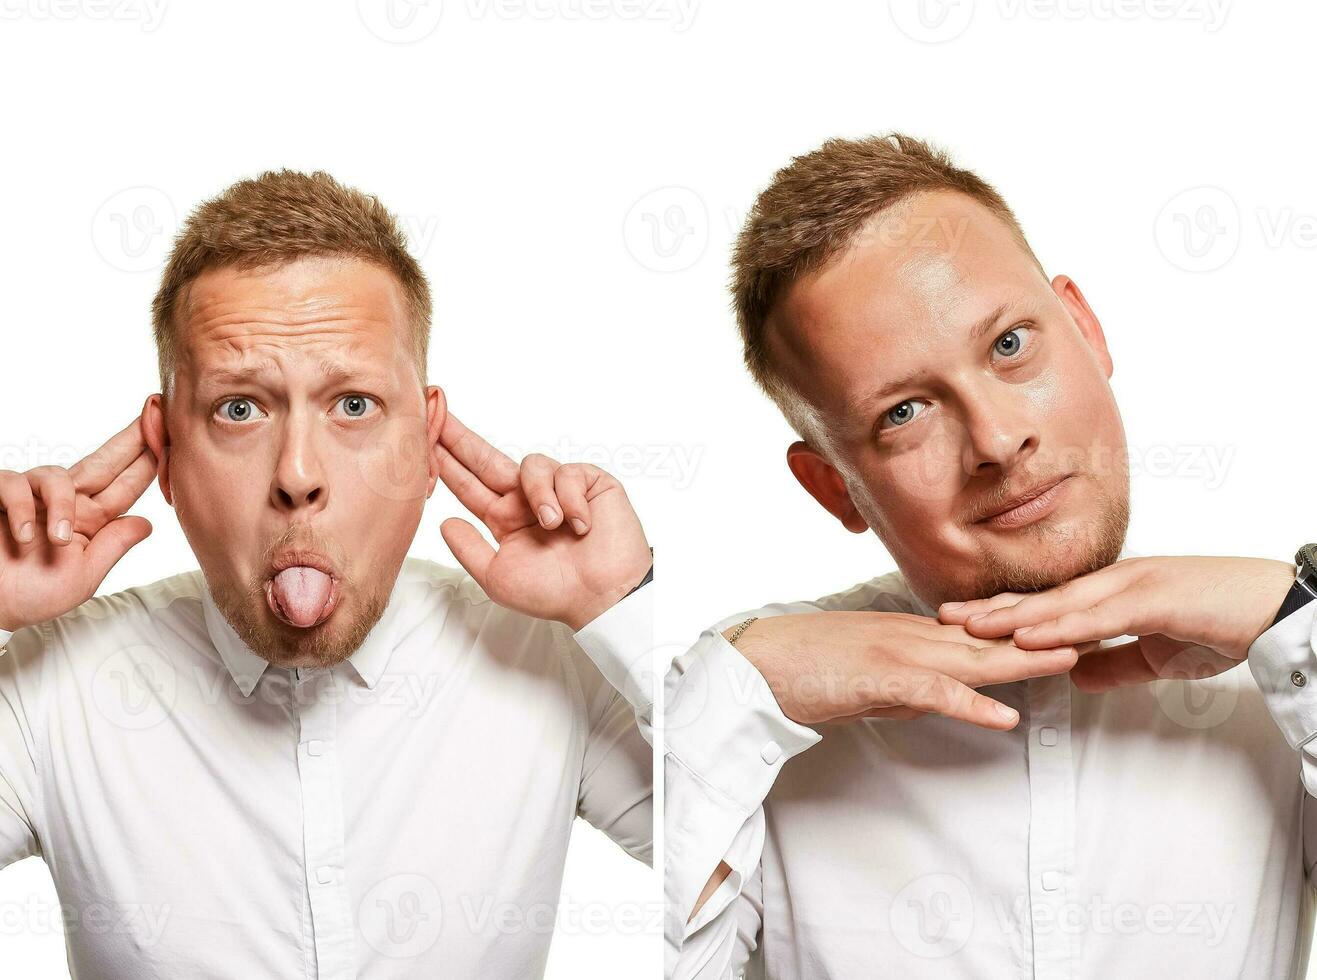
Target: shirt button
<point>1047,735</point>
<point>315,747</point>
<point>1051,880</point>
<point>325,875</point>
<point>771,752</point>
<point>1297,679</point>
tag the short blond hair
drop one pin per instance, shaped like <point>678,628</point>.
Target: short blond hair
<point>276,218</point>
<point>812,211</point>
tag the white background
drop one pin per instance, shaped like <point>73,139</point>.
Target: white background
<point>572,173</point>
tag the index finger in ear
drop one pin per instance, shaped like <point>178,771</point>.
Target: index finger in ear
<point>491,467</point>
<point>98,470</point>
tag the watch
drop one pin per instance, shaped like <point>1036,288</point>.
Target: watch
<point>1304,589</point>
<point>649,577</point>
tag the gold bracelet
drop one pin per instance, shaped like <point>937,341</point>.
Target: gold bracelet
<point>736,633</point>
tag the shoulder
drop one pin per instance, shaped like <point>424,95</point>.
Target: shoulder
<point>135,614</point>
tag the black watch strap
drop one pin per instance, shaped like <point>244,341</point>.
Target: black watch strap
<point>649,576</point>
<point>1304,589</point>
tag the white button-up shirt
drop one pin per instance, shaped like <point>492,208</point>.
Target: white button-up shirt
<point>1153,831</point>
<point>405,813</point>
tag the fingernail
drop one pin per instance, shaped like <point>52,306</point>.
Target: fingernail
<point>1007,714</point>
<point>952,605</point>
<point>25,533</point>
<point>580,525</point>
<point>62,529</point>
<point>547,514</point>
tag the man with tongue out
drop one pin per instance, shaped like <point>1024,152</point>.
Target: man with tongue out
<point>316,756</point>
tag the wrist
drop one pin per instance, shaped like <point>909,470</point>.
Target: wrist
<point>579,618</point>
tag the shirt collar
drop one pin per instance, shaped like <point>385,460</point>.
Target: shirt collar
<point>370,660</point>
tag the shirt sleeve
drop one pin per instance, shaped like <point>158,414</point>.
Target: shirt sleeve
<point>19,784</point>
<point>617,782</point>
<point>725,740</point>
<point>1283,661</point>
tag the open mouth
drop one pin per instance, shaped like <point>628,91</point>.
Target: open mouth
<point>302,595</point>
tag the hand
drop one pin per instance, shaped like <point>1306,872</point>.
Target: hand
<point>63,531</point>
<point>839,666</point>
<point>569,543</point>
<point>1192,616</point>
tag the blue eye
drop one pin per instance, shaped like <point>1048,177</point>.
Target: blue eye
<point>1011,343</point>
<point>901,414</point>
<point>239,410</point>
<point>355,406</point>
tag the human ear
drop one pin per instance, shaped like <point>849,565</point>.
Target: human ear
<point>825,485</point>
<point>155,431</point>
<point>1085,319</point>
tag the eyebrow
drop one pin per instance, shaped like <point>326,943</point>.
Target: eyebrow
<point>332,371</point>
<point>976,332</point>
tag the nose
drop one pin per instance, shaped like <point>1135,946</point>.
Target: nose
<point>299,479</point>
<point>1002,431</point>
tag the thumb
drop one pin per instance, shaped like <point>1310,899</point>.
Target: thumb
<point>112,542</point>
<point>472,551</point>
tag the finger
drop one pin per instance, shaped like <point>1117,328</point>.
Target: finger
<point>97,471</point>
<point>1112,667</point>
<point>128,486</point>
<point>537,483</point>
<point>1120,615</point>
<point>491,467</point>
<point>955,613</point>
<point>20,507</point>
<point>983,666</point>
<point>472,551</point>
<point>53,485</point>
<point>466,487</point>
<point>112,542</point>
<point>947,696</point>
<point>570,483</point>
<point>1079,593</point>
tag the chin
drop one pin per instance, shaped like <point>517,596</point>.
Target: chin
<point>283,645</point>
<point>1044,555</point>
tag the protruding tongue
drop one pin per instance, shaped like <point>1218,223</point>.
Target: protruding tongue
<point>301,593</point>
